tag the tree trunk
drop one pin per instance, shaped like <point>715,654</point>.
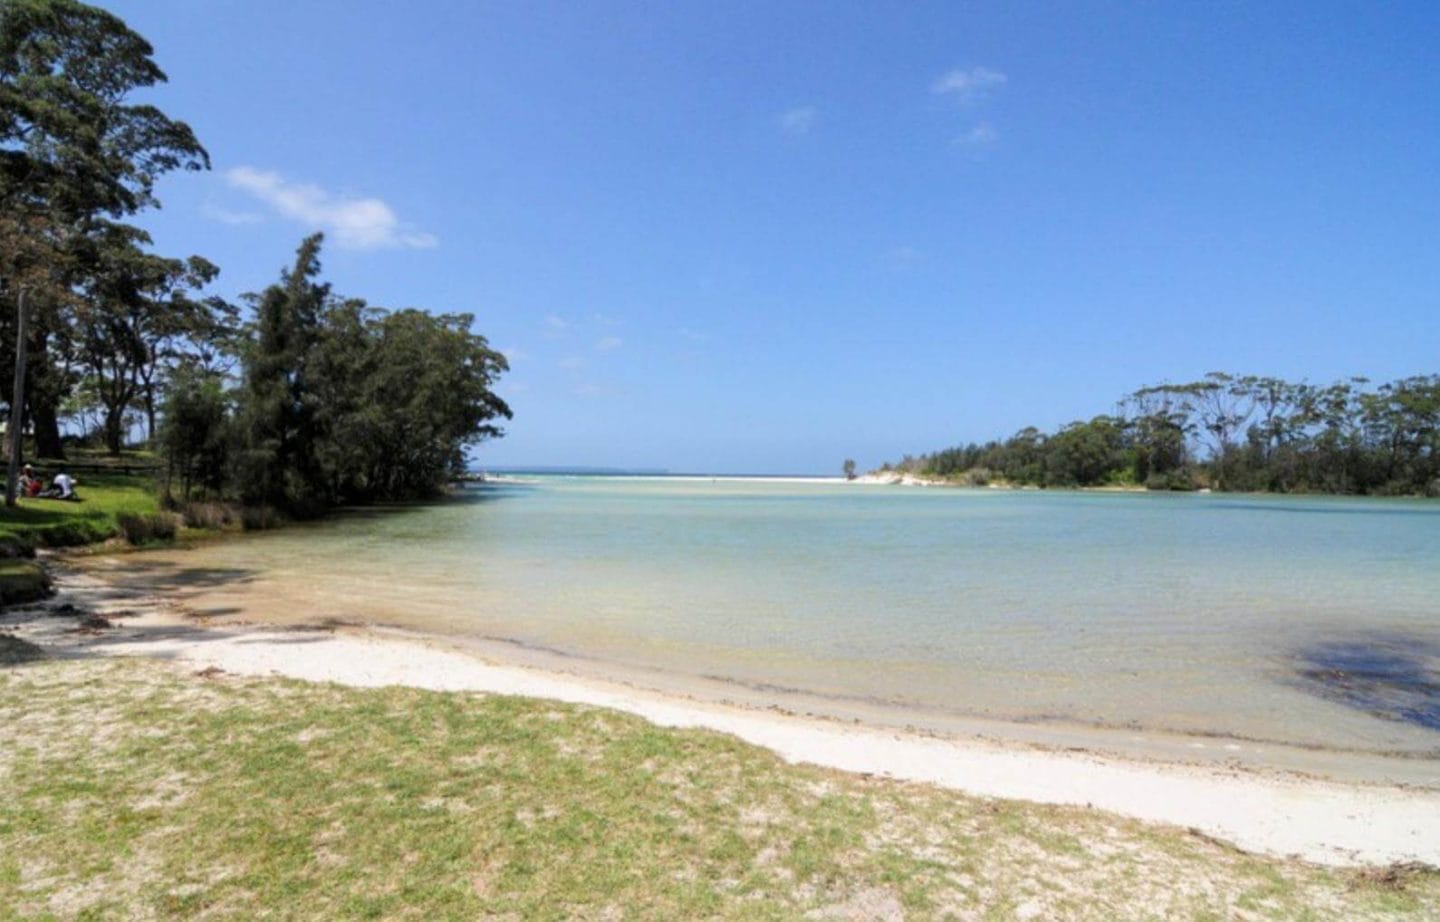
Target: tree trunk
<point>45,412</point>
<point>114,429</point>
<point>17,405</point>
<point>44,399</point>
<point>150,414</point>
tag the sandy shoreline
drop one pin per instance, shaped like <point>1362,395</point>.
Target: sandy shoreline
<point>1319,820</point>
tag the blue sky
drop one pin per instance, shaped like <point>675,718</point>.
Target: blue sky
<point>768,236</point>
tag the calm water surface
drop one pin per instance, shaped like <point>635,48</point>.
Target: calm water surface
<point>1215,614</point>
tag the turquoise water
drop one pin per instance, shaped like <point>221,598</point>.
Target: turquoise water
<point>1208,614</point>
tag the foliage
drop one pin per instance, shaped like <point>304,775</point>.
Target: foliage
<point>21,581</point>
<point>337,402</point>
<point>209,516</point>
<point>1234,433</point>
<point>341,402</point>
<point>193,438</point>
<point>147,528</point>
<point>75,154</point>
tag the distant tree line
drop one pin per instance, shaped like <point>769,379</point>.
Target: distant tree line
<point>1230,433</point>
<point>306,401</point>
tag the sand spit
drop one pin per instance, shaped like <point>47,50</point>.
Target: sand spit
<point>1318,820</point>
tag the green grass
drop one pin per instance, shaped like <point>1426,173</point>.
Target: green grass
<point>22,581</point>
<point>60,523</point>
<point>135,789</point>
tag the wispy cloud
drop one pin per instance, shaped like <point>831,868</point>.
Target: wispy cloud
<point>514,354</point>
<point>608,343</point>
<point>556,324</point>
<point>798,121</point>
<point>695,336</point>
<point>571,363</point>
<point>982,135</point>
<point>353,223</point>
<point>226,216</point>
<point>969,85</point>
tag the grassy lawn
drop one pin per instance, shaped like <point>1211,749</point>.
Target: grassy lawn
<point>136,789</point>
<point>57,523</point>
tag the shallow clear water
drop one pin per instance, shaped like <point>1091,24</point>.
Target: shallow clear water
<point>1195,613</point>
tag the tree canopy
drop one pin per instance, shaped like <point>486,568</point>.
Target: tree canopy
<point>315,400</point>
<point>1229,432</point>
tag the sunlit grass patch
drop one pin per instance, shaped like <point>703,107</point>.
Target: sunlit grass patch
<point>61,523</point>
<point>134,788</point>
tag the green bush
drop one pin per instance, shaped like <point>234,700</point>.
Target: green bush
<point>1172,480</point>
<point>73,534</point>
<point>22,581</point>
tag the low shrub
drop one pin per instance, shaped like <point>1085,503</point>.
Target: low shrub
<point>213,516</point>
<point>1174,480</point>
<point>22,581</point>
<point>72,534</point>
<point>148,528</point>
<point>16,546</point>
<point>260,518</point>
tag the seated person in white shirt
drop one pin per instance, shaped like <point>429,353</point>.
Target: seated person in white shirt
<point>62,488</point>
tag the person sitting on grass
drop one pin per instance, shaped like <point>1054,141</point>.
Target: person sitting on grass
<point>62,488</point>
<point>30,485</point>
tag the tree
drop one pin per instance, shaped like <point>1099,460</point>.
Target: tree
<point>343,402</point>
<point>194,436</point>
<point>849,468</point>
<point>1085,454</point>
<point>133,303</point>
<point>277,455</point>
<point>73,151</point>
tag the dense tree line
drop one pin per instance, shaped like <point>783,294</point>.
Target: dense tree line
<point>1229,433</point>
<point>312,400</point>
<point>336,402</point>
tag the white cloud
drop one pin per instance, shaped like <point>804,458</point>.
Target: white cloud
<point>571,363</point>
<point>695,336</point>
<point>969,85</point>
<point>353,223</point>
<point>608,343</point>
<point>982,135</point>
<point>798,121</point>
<point>556,324</point>
<point>514,354</point>
<point>226,216</point>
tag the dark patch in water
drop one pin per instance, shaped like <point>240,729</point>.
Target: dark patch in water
<point>1392,676</point>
